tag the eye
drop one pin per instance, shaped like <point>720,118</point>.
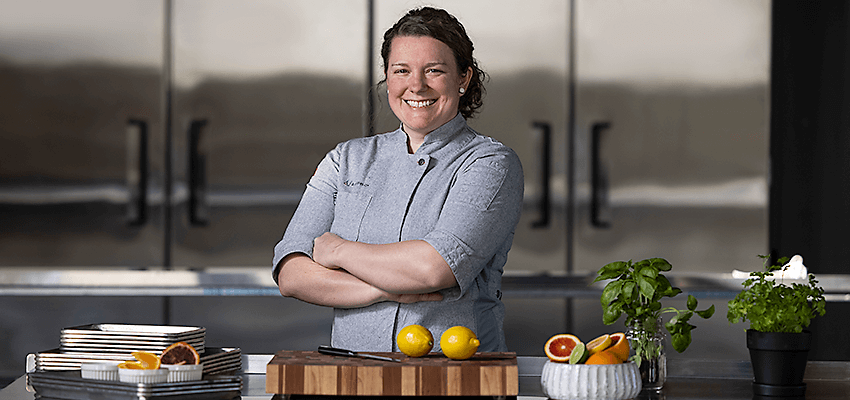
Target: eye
<point>434,71</point>
<point>400,71</point>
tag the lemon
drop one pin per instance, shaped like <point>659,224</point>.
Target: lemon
<point>601,343</point>
<point>415,340</point>
<point>459,343</point>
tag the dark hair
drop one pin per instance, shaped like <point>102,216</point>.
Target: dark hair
<point>441,25</point>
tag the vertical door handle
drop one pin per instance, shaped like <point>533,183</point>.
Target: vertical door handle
<point>198,210</point>
<point>137,171</point>
<point>545,162</point>
<point>598,184</point>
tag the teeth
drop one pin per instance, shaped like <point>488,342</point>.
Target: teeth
<point>418,104</point>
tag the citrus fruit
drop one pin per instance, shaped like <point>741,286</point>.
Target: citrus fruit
<point>603,358</point>
<point>415,340</point>
<point>180,353</point>
<point>146,360</point>
<point>601,343</point>
<point>130,365</point>
<point>559,347</point>
<point>619,346</point>
<point>459,343</point>
<point>579,354</point>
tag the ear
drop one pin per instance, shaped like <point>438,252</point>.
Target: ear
<point>465,78</point>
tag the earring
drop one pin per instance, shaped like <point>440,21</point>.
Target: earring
<point>462,90</point>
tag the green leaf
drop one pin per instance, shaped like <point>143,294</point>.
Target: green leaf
<point>660,264</point>
<point>611,291</point>
<point>692,303</point>
<point>610,315</point>
<point>611,271</point>
<point>681,341</point>
<point>707,313</point>
<point>647,289</point>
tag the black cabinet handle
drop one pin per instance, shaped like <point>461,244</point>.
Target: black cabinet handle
<point>598,182</point>
<point>137,171</point>
<point>545,162</point>
<point>198,211</point>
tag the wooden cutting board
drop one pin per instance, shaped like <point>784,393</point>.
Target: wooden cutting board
<point>310,373</point>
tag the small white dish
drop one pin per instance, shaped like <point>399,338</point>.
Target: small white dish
<point>142,375</point>
<point>99,371</point>
<point>562,381</point>
<point>184,372</point>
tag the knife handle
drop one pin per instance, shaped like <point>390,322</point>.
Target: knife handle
<point>333,351</point>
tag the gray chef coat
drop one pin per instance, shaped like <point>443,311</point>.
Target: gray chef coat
<point>461,192</point>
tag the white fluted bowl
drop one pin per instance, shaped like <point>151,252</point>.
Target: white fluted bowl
<point>563,381</point>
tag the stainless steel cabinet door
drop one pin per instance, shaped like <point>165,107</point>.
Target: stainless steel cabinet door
<point>262,90</point>
<point>80,133</point>
<point>671,142</point>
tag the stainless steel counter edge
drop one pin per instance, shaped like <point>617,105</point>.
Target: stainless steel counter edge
<point>529,369</point>
<point>256,281</point>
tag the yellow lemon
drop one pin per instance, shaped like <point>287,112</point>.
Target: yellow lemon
<point>415,340</point>
<point>601,343</point>
<point>459,343</point>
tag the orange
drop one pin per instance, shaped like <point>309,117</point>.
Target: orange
<point>559,347</point>
<point>130,365</point>
<point>619,346</point>
<point>596,345</point>
<point>603,358</point>
<point>147,360</point>
<point>180,353</point>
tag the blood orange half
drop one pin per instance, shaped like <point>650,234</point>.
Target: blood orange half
<point>180,353</point>
<point>559,347</point>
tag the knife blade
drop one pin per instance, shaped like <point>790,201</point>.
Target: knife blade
<point>333,351</point>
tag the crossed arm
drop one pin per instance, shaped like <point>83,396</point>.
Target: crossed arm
<point>349,274</point>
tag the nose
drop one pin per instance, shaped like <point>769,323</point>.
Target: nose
<point>417,82</point>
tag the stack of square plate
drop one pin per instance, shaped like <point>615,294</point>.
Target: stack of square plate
<point>115,343</point>
<point>216,360</point>
<point>119,338</point>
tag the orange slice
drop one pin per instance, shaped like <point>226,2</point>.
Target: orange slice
<point>147,360</point>
<point>619,346</point>
<point>559,347</point>
<point>130,365</point>
<point>603,358</point>
<point>596,345</point>
<point>180,353</point>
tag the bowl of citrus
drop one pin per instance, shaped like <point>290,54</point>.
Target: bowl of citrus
<point>596,370</point>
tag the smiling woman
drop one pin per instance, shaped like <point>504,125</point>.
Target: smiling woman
<point>411,226</point>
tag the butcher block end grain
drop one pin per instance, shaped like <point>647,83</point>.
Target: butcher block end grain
<point>310,373</point>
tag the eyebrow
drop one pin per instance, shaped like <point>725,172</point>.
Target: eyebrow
<point>430,64</point>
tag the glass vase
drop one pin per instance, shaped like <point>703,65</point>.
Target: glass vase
<point>647,339</point>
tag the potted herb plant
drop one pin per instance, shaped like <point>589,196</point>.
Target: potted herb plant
<point>636,290</point>
<point>778,315</point>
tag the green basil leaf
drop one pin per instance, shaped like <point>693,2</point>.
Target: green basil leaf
<point>660,264</point>
<point>692,303</point>
<point>707,313</point>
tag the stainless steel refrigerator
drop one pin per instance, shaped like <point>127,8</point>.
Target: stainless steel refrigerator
<point>180,134</point>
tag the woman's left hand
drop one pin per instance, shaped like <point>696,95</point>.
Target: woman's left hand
<point>324,250</point>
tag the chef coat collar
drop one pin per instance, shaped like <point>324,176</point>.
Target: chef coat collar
<point>439,137</point>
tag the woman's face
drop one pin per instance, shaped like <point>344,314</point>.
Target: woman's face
<point>423,83</point>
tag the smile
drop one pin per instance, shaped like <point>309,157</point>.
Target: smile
<point>419,104</point>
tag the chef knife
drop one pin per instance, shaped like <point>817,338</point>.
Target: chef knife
<point>348,353</point>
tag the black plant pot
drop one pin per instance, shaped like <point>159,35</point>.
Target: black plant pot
<point>779,362</point>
